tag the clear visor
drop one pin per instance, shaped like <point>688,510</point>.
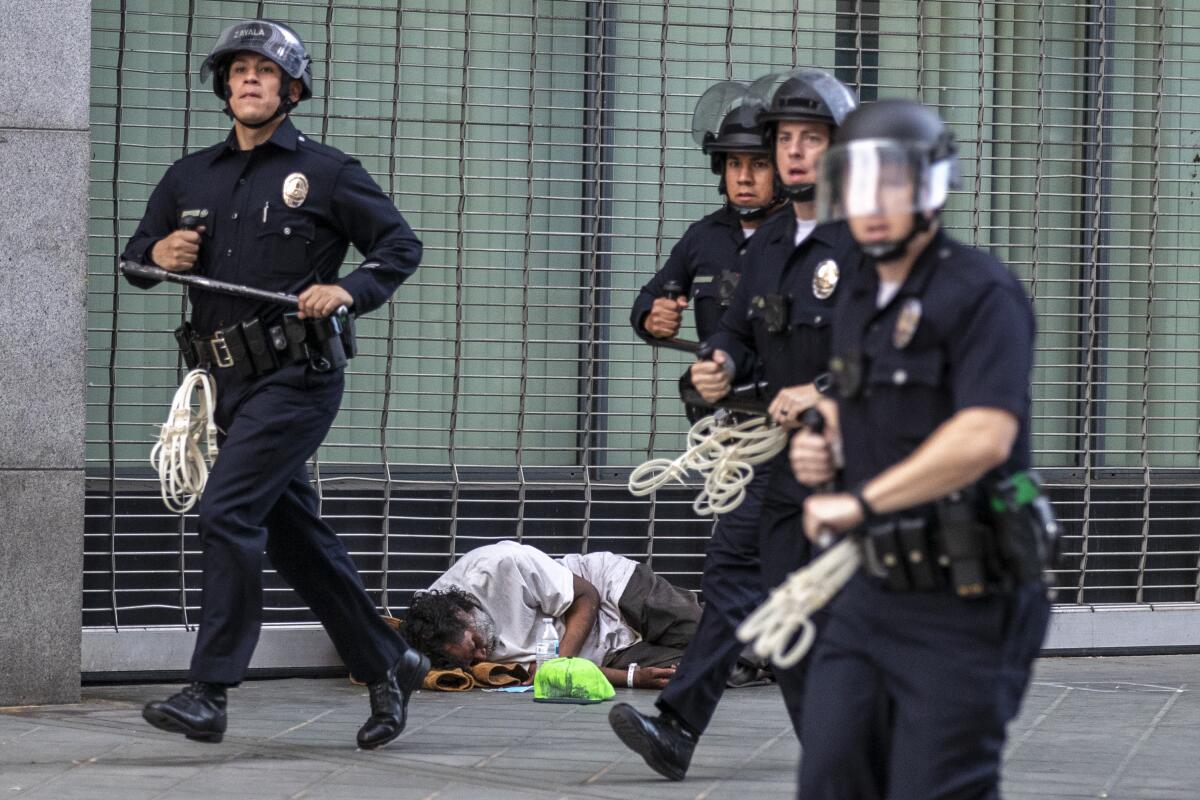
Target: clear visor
<point>833,93</point>
<point>713,106</point>
<point>880,177</point>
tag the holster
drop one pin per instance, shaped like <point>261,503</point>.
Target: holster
<point>1028,533</point>
<point>885,558</point>
<point>349,341</point>
<point>325,349</point>
<point>185,338</point>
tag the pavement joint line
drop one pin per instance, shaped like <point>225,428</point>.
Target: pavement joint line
<point>358,758</point>
<point>762,748</point>
<point>409,731</point>
<point>1133,751</point>
<point>489,759</point>
<point>1084,686</point>
<point>520,741</point>
<point>621,757</point>
<point>76,764</point>
<point>21,735</point>
<point>297,727</point>
<point>319,780</point>
<point>1042,717</point>
<point>165,794</point>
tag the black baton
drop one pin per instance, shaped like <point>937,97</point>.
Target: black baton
<point>136,270</point>
<point>671,291</point>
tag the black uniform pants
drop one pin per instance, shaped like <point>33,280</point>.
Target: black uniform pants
<point>952,673</point>
<point>785,549</point>
<point>732,588</point>
<point>258,498</point>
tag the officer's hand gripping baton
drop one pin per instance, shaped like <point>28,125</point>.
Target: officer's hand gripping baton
<point>672,290</point>
<point>136,270</point>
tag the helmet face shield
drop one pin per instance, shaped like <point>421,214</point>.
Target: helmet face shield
<point>725,120</point>
<point>800,95</point>
<point>880,178</point>
<point>803,93</point>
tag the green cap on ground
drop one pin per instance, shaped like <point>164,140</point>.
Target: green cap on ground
<point>570,680</point>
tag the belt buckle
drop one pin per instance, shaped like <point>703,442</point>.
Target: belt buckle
<point>220,350</point>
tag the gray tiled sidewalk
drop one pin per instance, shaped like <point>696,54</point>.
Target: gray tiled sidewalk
<point>1092,728</point>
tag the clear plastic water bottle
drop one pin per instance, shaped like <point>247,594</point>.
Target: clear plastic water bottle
<point>547,642</point>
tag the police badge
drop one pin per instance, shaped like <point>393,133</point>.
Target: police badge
<point>906,323</point>
<point>295,189</point>
<point>825,279</point>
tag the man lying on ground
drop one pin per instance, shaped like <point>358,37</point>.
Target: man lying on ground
<point>607,608</point>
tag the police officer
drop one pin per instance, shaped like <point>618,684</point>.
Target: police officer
<point>706,265</point>
<point>780,315</point>
<point>932,354</point>
<point>276,211</point>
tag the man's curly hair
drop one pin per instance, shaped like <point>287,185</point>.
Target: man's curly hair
<point>438,618</point>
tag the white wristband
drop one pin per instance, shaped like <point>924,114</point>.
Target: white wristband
<point>629,674</point>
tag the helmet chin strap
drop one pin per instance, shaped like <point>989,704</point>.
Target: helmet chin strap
<point>890,251</point>
<point>751,213</point>
<point>799,192</point>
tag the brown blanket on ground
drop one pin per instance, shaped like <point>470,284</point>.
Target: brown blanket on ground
<point>485,673</point>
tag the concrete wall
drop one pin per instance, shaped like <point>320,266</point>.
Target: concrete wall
<point>44,152</point>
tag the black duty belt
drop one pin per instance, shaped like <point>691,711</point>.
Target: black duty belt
<point>966,546</point>
<point>252,349</point>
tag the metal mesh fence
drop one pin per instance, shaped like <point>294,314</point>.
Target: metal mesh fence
<point>540,148</point>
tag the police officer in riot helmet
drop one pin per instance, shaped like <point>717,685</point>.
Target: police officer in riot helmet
<point>270,208</point>
<point>705,264</point>
<point>932,356</point>
<point>776,327</point>
<point>802,109</point>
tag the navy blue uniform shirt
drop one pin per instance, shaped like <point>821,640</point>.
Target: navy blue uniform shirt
<point>256,236</point>
<point>782,313</point>
<point>710,246</point>
<point>798,349</point>
<point>958,334</point>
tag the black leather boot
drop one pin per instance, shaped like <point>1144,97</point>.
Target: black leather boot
<point>665,742</point>
<point>389,700</point>
<point>198,712</point>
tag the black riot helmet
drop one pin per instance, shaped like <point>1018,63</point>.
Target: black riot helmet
<point>726,121</point>
<point>803,94</point>
<point>891,156</point>
<point>268,38</point>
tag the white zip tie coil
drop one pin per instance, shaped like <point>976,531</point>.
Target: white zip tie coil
<point>724,454</point>
<point>187,443</point>
<point>773,625</point>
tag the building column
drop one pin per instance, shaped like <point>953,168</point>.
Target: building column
<point>45,80</point>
